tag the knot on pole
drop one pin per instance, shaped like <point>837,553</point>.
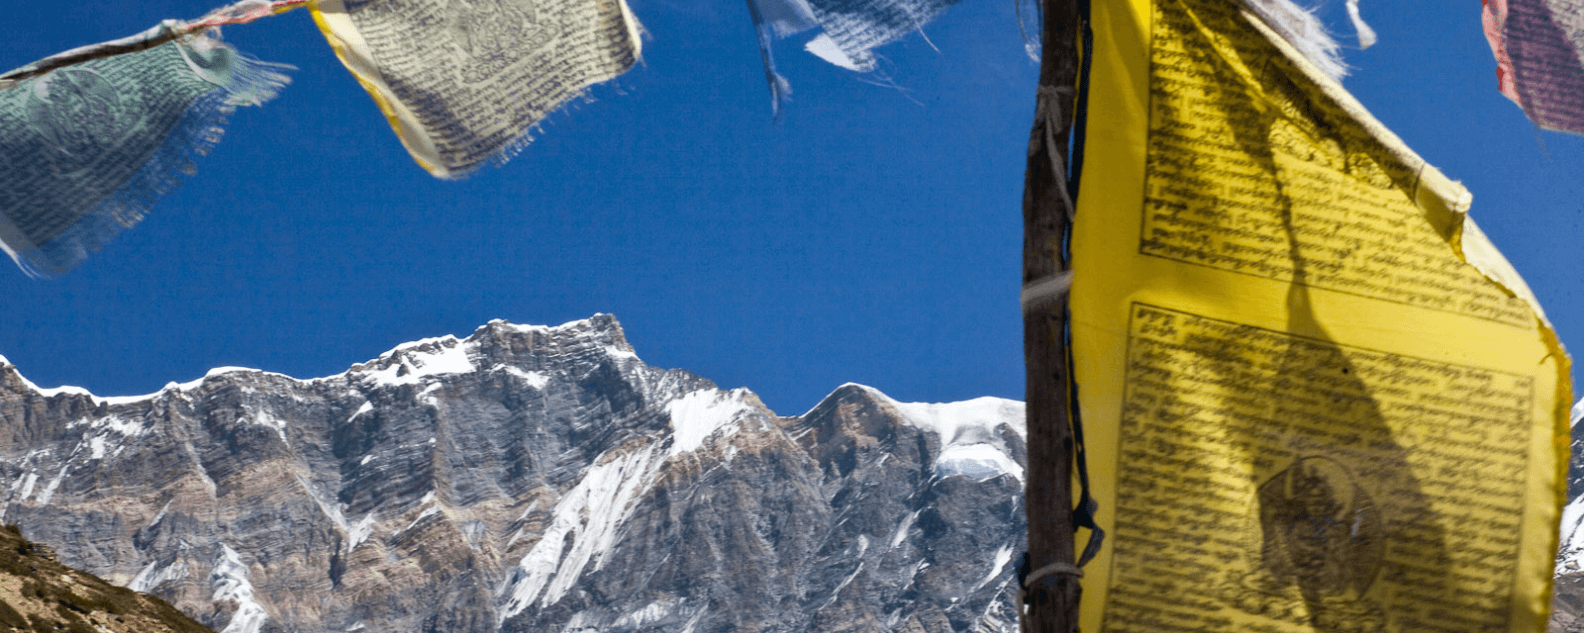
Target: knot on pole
<point>1027,580</point>
<point>1048,117</point>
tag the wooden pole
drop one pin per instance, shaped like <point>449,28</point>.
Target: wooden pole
<point>1053,598</point>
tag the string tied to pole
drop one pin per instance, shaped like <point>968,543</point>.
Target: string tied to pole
<point>1027,579</point>
<point>1048,118</point>
<point>169,30</point>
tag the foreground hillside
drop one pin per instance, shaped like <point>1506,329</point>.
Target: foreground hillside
<point>524,478</point>
<point>39,595</point>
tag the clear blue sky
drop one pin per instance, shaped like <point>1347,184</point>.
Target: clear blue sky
<point>873,236</point>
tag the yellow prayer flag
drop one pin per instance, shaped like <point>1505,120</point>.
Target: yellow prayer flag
<point>1315,397</point>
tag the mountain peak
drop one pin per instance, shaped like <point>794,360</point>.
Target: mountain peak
<point>524,478</point>
<point>407,363</point>
<point>981,438</point>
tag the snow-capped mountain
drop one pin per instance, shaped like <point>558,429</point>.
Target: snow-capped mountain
<point>524,478</point>
<point>1567,608</point>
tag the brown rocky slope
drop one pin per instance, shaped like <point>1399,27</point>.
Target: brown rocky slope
<point>40,595</point>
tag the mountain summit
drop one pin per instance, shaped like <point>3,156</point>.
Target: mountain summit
<point>525,478</point>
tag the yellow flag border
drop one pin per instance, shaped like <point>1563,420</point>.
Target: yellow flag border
<point>353,51</point>
<point>331,18</point>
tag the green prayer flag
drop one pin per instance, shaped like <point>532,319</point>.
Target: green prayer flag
<point>87,149</point>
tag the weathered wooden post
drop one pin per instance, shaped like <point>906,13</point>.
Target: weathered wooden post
<point>1047,211</point>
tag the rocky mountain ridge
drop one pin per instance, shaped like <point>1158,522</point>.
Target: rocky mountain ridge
<point>523,478</point>
<point>1567,607</point>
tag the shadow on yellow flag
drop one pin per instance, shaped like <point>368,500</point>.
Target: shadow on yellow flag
<point>1317,398</point>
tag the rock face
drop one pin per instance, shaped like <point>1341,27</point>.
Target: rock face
<point>1567,607</point>
<point>40,595</point>
<point>523,479</point>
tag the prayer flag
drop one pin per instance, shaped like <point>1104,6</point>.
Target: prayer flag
<point>772,19</point>
<point>1315,397</point>
<point>1537,44</point>
<point>463,82</point>
<point>850,30</point>
<point>854,28</point>
<point>1305,32</point>
<point>86,149</point>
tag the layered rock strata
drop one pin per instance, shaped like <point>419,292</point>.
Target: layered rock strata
<point>524,478</point>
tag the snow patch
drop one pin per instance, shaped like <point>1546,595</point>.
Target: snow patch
<point>535,379</point>
<point>1570,558</point>
<point>152,576</point>
<point>49,491</point>
<point>63,389</point>
<point>966,422</point>
<point>970,444</point>
<point>27,485</point>
<point>902,530</point>
<point>863,546</point>
<point>581,622</point>
<point>518,534</point>
<point>360,531</point>
<point>428,512</point>
<point>260,418</point>
<point>356,533</point>
<point>592,513</point>
<point>693,621</point>
<point>230,582</point>
<point>576,323</point>
<point>429,400</point>
<point>653,612</point>
<point>698,415</point>
<point>1002,557</point>
<point>122,400</point>
<point>159,517</point>
<point>79,391</point>
<point>979,461</point>
<point>517,327</point>
<point>117,424</point>
<point>451,357</point>
<point>367,407</point>
<point>198,467</point>
<point>837,593</point>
